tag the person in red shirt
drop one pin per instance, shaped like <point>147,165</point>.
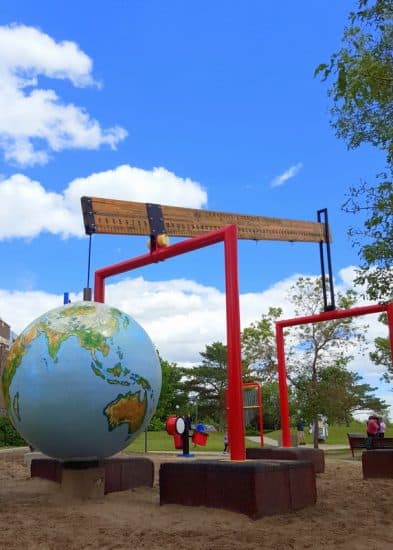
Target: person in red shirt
<point>372,426</point>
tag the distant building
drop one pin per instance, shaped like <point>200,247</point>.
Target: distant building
<point>6,339</point>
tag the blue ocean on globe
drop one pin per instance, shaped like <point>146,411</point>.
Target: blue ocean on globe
<point>82,381</point>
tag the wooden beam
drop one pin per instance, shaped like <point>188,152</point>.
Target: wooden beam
<point>118,217</point>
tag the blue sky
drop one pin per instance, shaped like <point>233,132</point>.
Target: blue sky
<point>200,104</point>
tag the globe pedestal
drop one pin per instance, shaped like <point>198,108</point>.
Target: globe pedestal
<point>83,480</point>
<point>120,474</point>
<point>29,456</point>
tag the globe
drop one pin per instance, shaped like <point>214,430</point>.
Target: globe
<point>81,381</point>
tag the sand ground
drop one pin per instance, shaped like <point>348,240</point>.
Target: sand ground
<point>350,514</point>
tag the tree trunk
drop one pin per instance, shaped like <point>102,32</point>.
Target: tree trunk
<point>316,432</point>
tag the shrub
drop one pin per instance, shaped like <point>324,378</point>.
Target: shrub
<point>156,425</point>
<point>8,435</point>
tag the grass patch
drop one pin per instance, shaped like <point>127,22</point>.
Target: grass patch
<point>337,433</point>
<point>161,441</point>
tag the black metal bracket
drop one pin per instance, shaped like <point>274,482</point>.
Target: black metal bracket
<point>87,294</point>
<point>322,216</point>
<point>156,223</point>
<point>88,215</point>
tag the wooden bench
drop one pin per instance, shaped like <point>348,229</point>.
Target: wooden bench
<point>360,441</point>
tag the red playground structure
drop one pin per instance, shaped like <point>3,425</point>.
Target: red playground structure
<point>207,228</point>
<point>318,318</point>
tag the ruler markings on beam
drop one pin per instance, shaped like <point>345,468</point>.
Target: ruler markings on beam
<point>130,218</point>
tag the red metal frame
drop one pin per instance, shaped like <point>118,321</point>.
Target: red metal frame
<point>228,235</point>
<point>318,318</point>
<point>257,385</point>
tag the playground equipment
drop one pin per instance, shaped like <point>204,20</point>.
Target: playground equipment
<point>206,227</point>
<point>252,406</point>
<point>209,227</point>
<point>318,318</point>
<point>180,427</point>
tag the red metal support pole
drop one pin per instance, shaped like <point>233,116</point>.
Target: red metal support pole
<point>260,409</point>
<point>99,288</point>
<point>257,386</point>
<point>283,389</point>
<point>389,311</point>
<point>235,393</point>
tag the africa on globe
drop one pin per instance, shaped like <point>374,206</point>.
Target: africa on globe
<point>82,381</point>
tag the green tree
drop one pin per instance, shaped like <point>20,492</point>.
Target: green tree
<point>381,354</point>
<point>271,405</point>
<point>259,347</point>
<point>206,383</point>
<point>361,73</point>
<point>339,394</point>
<point>374,239</point>
<point>172,394</point>
<point>315,347</point>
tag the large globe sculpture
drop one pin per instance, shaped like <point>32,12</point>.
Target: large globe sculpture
<point>81,381</point>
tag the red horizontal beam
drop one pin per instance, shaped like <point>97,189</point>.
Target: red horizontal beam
<point>157,255</point>
<point>331,315</point>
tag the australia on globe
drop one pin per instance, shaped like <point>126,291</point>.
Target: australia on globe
<point>82,381</point>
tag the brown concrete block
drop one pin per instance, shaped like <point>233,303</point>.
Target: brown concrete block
<point>272,490</point>
<point>121,473</point>
<point>377,463</point>
<point>316,456</point>
<point>136,472</point>
<point>46,468</point>
<point>303,485</point>
<point>113,481</point>
<point>181,485</point>
<point>254,488</point>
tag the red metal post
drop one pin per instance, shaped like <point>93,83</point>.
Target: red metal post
<point>283,389</point>
<point>99,287</point>
<point>257,386</point>
<point>260,409</point>
<point>389,311</point>
<point>235,393</point>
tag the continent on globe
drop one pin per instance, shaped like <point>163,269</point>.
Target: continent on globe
<point>127,409</point>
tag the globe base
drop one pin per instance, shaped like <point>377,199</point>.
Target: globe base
<point>83,483</point>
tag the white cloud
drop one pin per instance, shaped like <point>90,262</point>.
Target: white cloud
<point>35,209</point>
<point>181,316</point>
<point>285,176</point>
<point>130,183</point>
<point>34,121</point>
<point>38,210</point>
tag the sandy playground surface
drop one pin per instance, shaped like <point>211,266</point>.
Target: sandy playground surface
<point>350,514</point>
